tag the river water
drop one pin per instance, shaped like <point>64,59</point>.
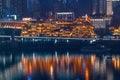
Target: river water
<point>59,66</point>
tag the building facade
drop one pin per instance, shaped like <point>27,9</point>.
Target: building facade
<point>79,7</point>
<point>111,4</point>
<point>109,11</point>
<point>0,8</point>
<point>48,8</point>
<point>99,7</point>
<point>33,8</point>
<point>14,8</point>
<point>98,23</point>
<point>64,16</point>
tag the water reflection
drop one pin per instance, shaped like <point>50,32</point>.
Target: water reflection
<point>11,73</point>
<point>72,67</point>
<point>61,67</point>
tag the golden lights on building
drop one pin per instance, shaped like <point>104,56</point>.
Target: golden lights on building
<point>79,28</point>
<point>117,31</point>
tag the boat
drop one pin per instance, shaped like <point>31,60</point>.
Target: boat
<point>95,49</point>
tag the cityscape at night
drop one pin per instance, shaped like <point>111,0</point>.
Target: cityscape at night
<point>59,39</point>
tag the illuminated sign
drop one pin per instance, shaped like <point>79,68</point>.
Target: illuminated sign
<point>65,13</point>
<point>27,19</point>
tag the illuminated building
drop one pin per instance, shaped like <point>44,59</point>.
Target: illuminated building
<point>79,28</point>
<point>101,23</point>
<point>116,31</point>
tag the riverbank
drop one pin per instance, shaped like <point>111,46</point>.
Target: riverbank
<point>56,45</point>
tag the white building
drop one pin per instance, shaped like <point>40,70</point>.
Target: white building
<point>101,22</point>
<point>98,23</point>
<point>109,8</point>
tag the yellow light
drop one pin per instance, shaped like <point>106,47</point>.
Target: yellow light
<point>118,63</point>
<point>114,62</point>
<point>51,70</point>
<point>87,74</point>
<point>93,59</point>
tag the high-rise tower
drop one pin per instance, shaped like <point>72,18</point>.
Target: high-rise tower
<point>14,7</point>
<point>18,7</point>
<point>0,8</point>
<point>99,7</point>
<point>109,11</point>
<point>111,4</point>
<point>33,8</point>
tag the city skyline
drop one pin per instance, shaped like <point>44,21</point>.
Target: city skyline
<point>59,39</point>
<point>40,8</point>
<point>46,8</point>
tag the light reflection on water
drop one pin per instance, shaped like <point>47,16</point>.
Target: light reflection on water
<point>60,67</point>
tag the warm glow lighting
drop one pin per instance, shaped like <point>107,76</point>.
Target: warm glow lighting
<point>118,63</point>
<point>30,68</point>
<point>92,59</point>
<point>87,74</point>
<point>55,63</point>
<point>51,71</point>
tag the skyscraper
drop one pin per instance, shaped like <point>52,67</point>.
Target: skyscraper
<point>102,6</point>
<point>6,8</point>
<point>14,7</point>
<point>33,8</point>
<point>48,8</point>
<point>99,7</point>
<point>18,7</point>
<point>116,13</point>
<point>109,11</point>
<point>111,4</point>
<point>0,8</point>
<point>79,7</point>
